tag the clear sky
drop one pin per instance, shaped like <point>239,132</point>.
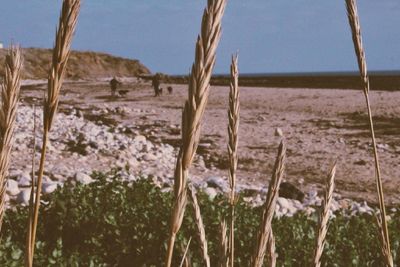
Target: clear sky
<point>271,35</point>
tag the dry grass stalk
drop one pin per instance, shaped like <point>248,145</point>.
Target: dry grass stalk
<point>269,208</point>
<point>223,246</point>
<point>8,112</point>
<point>200,226</point>
<point>362,65</point>
<point>233,129</point>
<point>324,217</point>
<point>61,51</point>
<point>185,261</point>
<point>31,202</point>
<point>272,255</point>
<point>193,111</point>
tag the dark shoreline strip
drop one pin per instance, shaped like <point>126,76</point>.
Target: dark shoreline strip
<point>378,82</point>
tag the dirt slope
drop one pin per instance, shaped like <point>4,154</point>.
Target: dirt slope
<point>82,65</point>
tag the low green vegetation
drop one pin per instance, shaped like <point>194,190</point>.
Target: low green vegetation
<point>115,223</point>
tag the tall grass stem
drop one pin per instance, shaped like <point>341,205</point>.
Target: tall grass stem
<point>61,51</point>
<point>198,91</point>
<point>354,22</point>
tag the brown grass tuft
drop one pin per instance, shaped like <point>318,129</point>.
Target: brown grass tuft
<point>324,217</point>
<point>362,65</point>
<point>269,207</point>
<point>8,112</point>
<point>61,51</point>
<point>193,111</point>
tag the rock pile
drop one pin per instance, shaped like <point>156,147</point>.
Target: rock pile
<point>78,146</point>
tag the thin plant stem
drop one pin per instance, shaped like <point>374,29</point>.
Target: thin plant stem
<point>185,253</point>
<point>31,202</point>
<point>354,22</point>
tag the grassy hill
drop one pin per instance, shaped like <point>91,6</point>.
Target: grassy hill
<point>81,65</point>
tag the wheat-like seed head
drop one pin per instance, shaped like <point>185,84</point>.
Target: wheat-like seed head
<point>200,226</point>
<point>61,52</point>
<point>269,207</point>
<point>233,129</point>
<point>199,83</point>
<point>198,91</point>
<point>324,217</point>
<point>233,126</point>
<point>352,14</point>
<point>8,112</point>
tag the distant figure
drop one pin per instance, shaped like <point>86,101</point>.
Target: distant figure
<point>156,84</point>
<point>113,85</point>
<point>169,89</point>
<point>159,92</point>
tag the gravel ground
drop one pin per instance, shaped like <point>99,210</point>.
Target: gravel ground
<point>96,132</point>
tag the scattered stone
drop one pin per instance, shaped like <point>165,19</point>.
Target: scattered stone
<point>83,178</point>
<point>283,203</point>
<point>139,156</point>
<point>24,179</point>
<point>249,191</point>
<point>278,132</point>
<point>150,157</point>
<point>382,146</point>
<point>12,187</point>
<point>24,196</point>
<point>49,187</point>
<point>288,190</point>
<point>218,183</point>
<point>211,192</point>
<point>360,162</point>
<point>140,139</point>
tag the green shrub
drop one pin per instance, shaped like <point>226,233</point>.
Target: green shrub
<point>113,223</point>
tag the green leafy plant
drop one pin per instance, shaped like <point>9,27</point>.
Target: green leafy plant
<point>111,222</point>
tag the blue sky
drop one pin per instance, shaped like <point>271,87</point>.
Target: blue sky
<point>271,35</point>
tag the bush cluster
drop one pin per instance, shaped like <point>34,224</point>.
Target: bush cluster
<point>115,223</point>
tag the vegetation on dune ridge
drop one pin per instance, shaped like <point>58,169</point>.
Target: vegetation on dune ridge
<point>115,223</point>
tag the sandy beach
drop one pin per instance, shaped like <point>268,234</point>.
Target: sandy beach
<point>320,126</point>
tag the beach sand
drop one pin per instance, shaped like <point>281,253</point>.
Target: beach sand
<point>320,126</point>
